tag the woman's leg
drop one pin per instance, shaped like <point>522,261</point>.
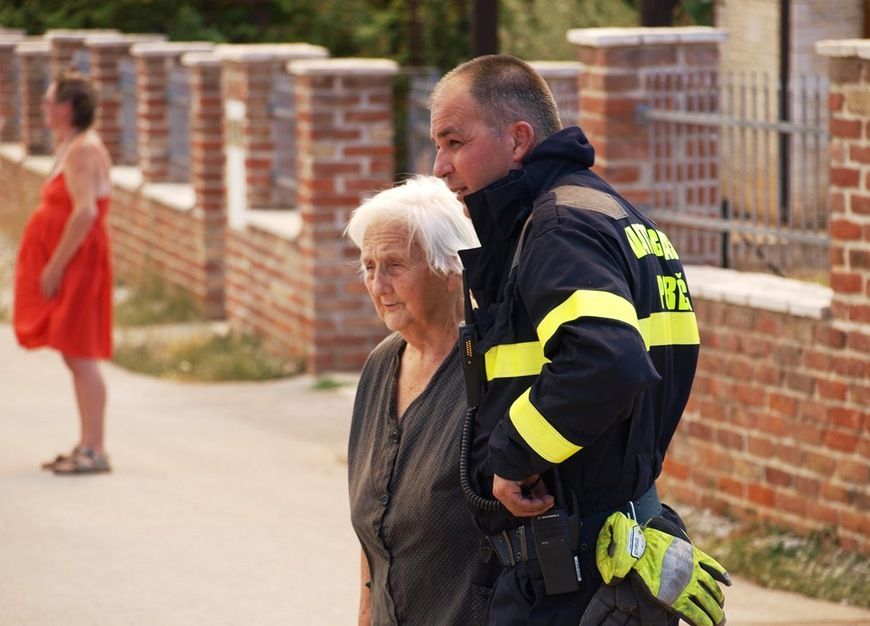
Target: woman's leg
<point>90,391</point>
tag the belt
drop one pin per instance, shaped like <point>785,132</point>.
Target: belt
<point>518,544</point>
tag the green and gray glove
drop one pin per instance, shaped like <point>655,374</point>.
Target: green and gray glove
<point>674,572</point>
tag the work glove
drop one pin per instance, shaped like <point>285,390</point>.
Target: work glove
<point>624,604</point>
<point>674,572</point>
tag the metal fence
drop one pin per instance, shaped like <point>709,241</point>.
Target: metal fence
<point>178,114</point>
<point>129,119</point>
<point>283,116</point>
<point>81,61</point>
<point>739,169</point>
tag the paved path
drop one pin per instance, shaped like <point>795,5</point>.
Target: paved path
<point>227,507</point>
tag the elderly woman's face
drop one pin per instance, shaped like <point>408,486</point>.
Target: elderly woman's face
<point>408,296</point>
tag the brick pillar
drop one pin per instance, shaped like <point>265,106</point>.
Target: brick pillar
<point>9,130</point>
<point>206,131</point>
<point>153,61</point>
<point>617,66</point>
<point>563,78</point>
<point>849,195</point>
<point>250,75</point>
<point>207,168</point>
<point>33,78</point>
<point>344,147</point>
<point>65,43</point>
<point>106,52</point>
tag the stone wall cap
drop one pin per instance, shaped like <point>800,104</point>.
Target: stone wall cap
<point>122,39</point>
<point>38,47</point>
<point>169,48</point>
<point>200,59</point>
<point>10,39</point>
<point>613,37</point>
<point>77,34</point>
<point>283,223</point>
<point>12,31</point>
<point>841,48</point>
<point>271,51</point>
<point>349,66</point>
<point>763,291</point>
<point>557,68</point>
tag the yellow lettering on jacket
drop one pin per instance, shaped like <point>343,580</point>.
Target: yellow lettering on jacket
<point>644,241</point>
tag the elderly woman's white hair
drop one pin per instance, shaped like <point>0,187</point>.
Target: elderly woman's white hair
<point>432,214</point>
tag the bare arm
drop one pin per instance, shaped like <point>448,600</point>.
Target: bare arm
<point>365,592</point>
<point>82,175</point>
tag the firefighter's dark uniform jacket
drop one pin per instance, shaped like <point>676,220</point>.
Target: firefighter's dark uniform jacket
<point>590,342</point>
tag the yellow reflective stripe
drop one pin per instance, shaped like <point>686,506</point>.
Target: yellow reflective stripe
<point>511,360</point>
<point>669,329</point>
<point>587,303</point>
<point>537,431</point>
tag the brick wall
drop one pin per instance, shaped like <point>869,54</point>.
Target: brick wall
<point>8,88</point>
<point>291,275</point>
<point>776,428</point>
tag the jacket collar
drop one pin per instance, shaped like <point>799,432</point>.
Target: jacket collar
<point>499,210</point>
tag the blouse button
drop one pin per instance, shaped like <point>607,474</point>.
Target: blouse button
<point>394,436</point>
<point>384,499</point>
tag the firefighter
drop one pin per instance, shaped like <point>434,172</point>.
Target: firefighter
<point>585,326</point>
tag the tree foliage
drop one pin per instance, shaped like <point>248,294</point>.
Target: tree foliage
<point>532,29</point>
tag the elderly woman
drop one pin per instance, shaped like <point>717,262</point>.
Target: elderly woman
<point>63,283</point>
<point>420,562</point>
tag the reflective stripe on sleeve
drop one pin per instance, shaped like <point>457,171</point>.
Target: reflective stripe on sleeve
<point>537,431</point>
<point>670,328</point>
<point>513,360</point>
<point>587,303</point>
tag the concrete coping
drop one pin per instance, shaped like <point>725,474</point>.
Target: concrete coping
<point>557,68</point>
<point>37,163</point>
<point>763,291</point>
<point>270,52</point>
<point>10,39</point>
<point>127,177</point>
<point>12,31</point>
<point>283,223</point>
<point>77,34</point>
<point>12,151</point>
<point>169,48</point>
<point>352,67</point>
<point>843,48</point>
<point>111,40</point>
<point>615,37</point>
<point>35,48</point>
<point>178,196</point>
<point>200,59</point>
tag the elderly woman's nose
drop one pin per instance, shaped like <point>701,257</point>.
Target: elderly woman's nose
<point>380,281</point>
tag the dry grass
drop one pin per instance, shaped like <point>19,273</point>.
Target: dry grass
<point>814,566</point>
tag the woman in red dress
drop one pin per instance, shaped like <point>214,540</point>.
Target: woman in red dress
<point>63,283</point>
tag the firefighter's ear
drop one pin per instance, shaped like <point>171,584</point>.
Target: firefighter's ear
<point>523,137</point>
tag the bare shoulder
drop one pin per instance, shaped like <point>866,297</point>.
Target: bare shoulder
<point>88,153</point>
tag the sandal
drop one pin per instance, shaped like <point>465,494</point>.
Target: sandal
<point>60,458</point>
<point>85,461</point>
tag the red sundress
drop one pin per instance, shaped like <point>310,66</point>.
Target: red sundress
<point>77,320</point>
